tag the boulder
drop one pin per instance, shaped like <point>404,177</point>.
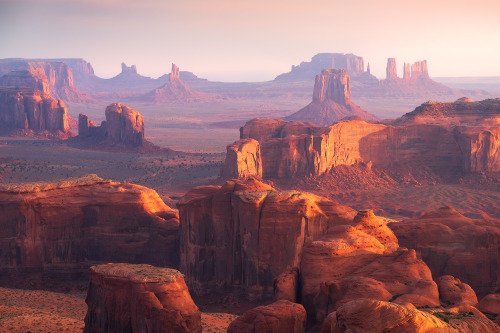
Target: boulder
<point>490,304</point>
<point>279,317</point>
<point>139,298</point>
<point>454,292</point>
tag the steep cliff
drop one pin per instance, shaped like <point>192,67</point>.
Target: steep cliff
<point>244,234</point>
<point>27,111</point>
<point>331,100</point>
<point>64,226</point>
<point>139,298</point>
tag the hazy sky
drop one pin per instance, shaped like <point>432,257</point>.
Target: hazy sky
<point>249,40</point>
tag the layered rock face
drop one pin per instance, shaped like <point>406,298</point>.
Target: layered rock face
<point>362,260</point>
<point>31,79</point>
<point>452,244</point>
<point>69,224</point>
<point>243,159</point>
<point>30,109</point>
<point>279,317</point>
<point>331,100</point>
<point>59,77</point>
<point>244,234</point>
<point>123,127</point>
<point>139,298</point>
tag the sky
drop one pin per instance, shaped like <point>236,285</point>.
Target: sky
<point>254,40</point>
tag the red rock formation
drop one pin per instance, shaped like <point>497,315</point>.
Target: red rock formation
<point>30,109</point>
<point>174,74</point>
<point>32,79</point>
<point>286,285</point>
<point>452,244</point>
<point>490,304</point>
<point>126,70</point>
<point>391,70</point>
<point>175,90</point>
<point>64,226</point>
<point>139,298</point>
<point>331,100</point>
<point>123,129</point>
<point>244,234</point>
<point>262,129</point>
<point>279,317</point>
<point>362,261</point>
<point>366,315</point>
<point>407,73</point>
<point>243,160</point>
<point>453,291</point>
<point>419,71</point>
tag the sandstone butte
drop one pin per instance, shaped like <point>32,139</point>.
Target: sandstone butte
<point>175,90</point>
<point>139,298</point>
<point>468,134</point>
<point>331,100</point>
<point>123,129</point>
<point>297,247</point>
<point>28,111</point>
<point>56,78</point>
<point>61,228</point>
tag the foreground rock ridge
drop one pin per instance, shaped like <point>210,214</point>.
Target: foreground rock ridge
<point>331,100</point>
<point>466,133</point>
<point>28,111</point>
<point>60,228</point>
<point>139,298</point>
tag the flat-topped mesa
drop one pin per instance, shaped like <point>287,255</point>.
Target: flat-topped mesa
<point>139,298</point>
<point>32,112</point>
<point>174,74</point>
<point>71,223</point>
<point>30,78</point>
<point>391,70</point>
<point>129,70</point>
<point>123,126</point>
<point>333,84</point>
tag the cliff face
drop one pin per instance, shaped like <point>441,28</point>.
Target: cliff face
<point>123,126</point>
<point>139,298</point>
<point>64,226</point>
<point>243,159</point>
<point>242,235</point>
<point>31,79</point>
<point>331,100</point>
<point>27,109</point>
<point>59,77</point>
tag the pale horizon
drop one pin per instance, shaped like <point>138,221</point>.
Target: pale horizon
<point>256,41</point>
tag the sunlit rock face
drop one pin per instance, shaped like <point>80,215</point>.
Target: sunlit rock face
<point>66,225</point>
<point>139,298</point>
<point>32,111</point>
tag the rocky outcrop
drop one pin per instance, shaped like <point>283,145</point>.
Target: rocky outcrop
<point>243,159</point>
<point>331,100</point>
<point>244,234</point>
<point>419,71</point>
<point>59,77</point>
<point>358,261</point>
<point>67,225</point>
<point>452,244</point>
<point>278,317</point>
<point>407,73</point>
<point>139,298</point>
<point>366,315</point>
<point>129,70</point>
<point>175,90</point>
<point>490,304</point>
<point>123,128</point>
<point>28,111</point>
<point>354,65</point>
<point>32,79</point>
<point>391,70</point>
<point>453,291</point>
